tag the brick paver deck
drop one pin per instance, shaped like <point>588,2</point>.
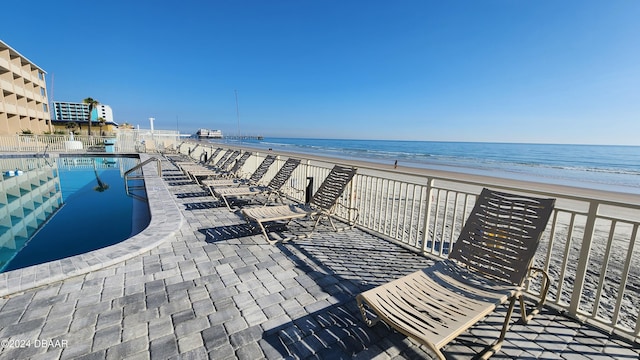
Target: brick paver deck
<point>217,290</point>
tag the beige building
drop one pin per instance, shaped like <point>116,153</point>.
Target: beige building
<point>23,95</point>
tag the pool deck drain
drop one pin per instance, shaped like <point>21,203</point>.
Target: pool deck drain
<point>215,289</point>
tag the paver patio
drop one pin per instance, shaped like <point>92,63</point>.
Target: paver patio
<point>217,290</point>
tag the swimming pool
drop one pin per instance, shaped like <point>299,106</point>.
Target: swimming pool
<point>66,206</point>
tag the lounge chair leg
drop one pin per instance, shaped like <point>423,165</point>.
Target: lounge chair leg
<point>523,310</point>
<point>495,347</point>
<point>543,295</point>
<point>226,202</point>
<point>315,225</point>
<point>264,233</point>
<point>439,354</point>
<point>333,226</point>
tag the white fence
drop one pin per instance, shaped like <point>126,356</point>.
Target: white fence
<point>589,247</point>
<point>126,141</point>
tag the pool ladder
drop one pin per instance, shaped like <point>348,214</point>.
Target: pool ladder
<point>128,176</point>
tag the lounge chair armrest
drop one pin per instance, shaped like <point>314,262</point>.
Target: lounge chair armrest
<point>546,282</point>
<point>279,195</point>
<point>295,189</point>
<point>352,209</point>
<point>242,175</point>
<point>290,192</point>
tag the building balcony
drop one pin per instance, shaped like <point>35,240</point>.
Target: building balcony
<point>4,64</point>
<point>6,85</point>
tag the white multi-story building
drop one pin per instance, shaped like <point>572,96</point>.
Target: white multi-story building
<point>78,112</point>
<point>67,111</point>
<point>23,94</point>
<point>105,112</point>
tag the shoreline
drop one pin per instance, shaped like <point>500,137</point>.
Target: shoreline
<point>582,175</point>
<point>611,197</point>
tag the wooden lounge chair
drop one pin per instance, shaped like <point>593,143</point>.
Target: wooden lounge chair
<point>272,188</point>
<point>321,205</point>
<point>488,266</point>
<point>253,180</point>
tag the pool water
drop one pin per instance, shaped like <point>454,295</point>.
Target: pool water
<point>94,212</point>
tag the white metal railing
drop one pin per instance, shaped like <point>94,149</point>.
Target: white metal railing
<point>589,247</point>
<point>51,143</point>
<point>147,141</point>
<point>126,141</point>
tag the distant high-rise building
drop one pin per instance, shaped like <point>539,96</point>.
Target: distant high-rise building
<point>23,94</point>
<point>67,111</point>
<point>105,112</point>
<point>79,112</point>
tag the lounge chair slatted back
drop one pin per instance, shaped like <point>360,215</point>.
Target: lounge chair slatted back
<point>240,162</point>
<point>262,169</point>
<point>213,155</point>
<point>223,158</point>
<point>229,160</point>
<point>281,177</point>
<point>273,188</point>
<point>254,179</point>
<point>332,187</point>
<point>502,234</point>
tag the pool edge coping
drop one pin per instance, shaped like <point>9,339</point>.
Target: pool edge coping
<point>166,219</point>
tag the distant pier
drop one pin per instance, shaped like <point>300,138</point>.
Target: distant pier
<point>243,137</point>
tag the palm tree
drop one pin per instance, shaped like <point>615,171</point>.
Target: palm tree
<point>102,186</point>
<point>101,122</point>
<point>92,105</point>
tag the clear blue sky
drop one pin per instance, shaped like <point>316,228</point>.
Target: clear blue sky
<point>493,70</point>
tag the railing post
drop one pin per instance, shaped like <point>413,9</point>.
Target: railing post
<point>352,200</point>
<point>583,259</point>
<point>624,277</point>
<point>427,220</point>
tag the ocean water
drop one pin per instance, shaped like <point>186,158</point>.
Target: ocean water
<point>605,167</point>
